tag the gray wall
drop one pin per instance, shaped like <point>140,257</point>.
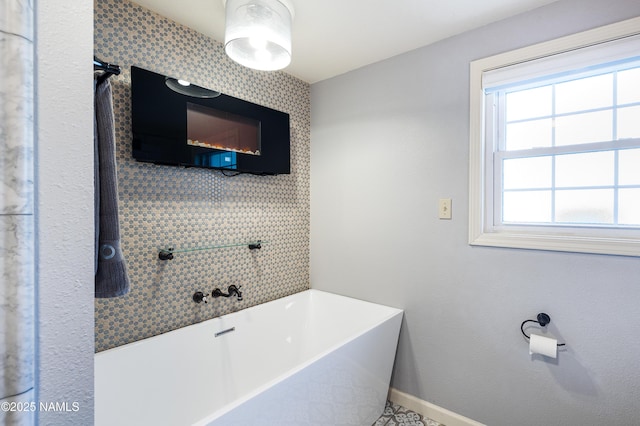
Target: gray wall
<point>388,140</point>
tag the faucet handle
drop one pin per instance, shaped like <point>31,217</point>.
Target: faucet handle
<point>199,297</point>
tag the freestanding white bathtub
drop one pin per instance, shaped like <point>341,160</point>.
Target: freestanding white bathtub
<point>313,358</point>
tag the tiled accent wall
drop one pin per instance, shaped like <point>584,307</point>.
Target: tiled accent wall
<point>163,206</point>
<point>17,295</point>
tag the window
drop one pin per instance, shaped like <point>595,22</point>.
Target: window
<point>555,144</point>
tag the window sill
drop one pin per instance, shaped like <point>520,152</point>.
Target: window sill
<point>556,242</point>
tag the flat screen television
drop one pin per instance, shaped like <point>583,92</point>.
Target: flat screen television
<point>180,124</point>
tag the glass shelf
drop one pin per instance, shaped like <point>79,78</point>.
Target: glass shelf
<point>167,254</point>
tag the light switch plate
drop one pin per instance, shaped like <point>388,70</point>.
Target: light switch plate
<point>444,208</point>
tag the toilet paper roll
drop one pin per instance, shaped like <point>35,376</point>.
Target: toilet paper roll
<point>543,346</point>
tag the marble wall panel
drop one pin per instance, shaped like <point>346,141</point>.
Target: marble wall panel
<point>17,18</point>
<point>16,303</point>
<point>17,283</point>
<point>20,418</point>
<point>16,107</point>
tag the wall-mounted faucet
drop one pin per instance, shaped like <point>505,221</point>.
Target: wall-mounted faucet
<point>233,289</point>
<point>200,297</point>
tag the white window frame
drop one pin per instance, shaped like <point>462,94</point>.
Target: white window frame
<point>587,239</point>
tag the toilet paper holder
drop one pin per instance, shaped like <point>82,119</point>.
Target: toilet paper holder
<point>542,319</point>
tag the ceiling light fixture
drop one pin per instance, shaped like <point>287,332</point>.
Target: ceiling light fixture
<point>258,33</point>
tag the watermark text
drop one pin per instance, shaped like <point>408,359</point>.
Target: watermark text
<point>13,406</point>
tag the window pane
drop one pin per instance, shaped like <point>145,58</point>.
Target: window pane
<point>629,122</point>
<point>587,206</point>
<point>585,93</point>
<point>526,206</point>
<point>589,169</point>
<point>529,134</point>
<point>529,103</point>
<point>584,128</point>
<point>523,173</point>
<point>629,206</point>
<point>629,167</point>
<point>629,86</point>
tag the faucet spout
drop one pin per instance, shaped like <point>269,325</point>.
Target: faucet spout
<point>233,289</point>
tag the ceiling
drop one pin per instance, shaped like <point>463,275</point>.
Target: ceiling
<point>331,37</point>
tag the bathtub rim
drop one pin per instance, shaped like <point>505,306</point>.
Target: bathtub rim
<point>202,323</point>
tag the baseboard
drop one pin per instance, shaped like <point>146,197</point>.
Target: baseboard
<point>427,409</point>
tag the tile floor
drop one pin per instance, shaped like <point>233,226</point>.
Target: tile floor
<point>396,415</point>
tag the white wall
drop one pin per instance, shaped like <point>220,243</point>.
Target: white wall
<point>388,140</point>
<point>64,164</point>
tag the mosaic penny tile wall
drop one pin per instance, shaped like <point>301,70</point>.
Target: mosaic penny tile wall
<point>163,206</point>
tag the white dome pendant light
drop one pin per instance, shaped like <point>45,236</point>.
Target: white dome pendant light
<point>258,33</point>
